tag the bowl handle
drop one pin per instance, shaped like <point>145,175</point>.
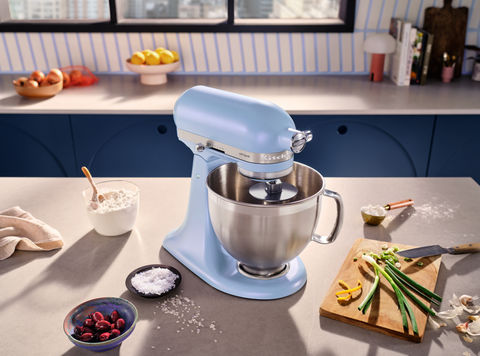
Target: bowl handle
<point>338,222</point>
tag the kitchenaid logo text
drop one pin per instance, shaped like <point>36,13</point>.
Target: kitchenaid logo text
<point>282,157</point>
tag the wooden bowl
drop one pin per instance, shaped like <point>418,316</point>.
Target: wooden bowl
<point>152,75</point>
<point>40,92</point>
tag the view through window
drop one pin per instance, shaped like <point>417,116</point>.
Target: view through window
<point>59,9</point>
<point>174,9</point>
<point>244,9</point>
<point>286,9</point>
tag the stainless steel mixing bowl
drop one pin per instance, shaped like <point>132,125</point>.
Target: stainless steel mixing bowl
<point>264,236</point>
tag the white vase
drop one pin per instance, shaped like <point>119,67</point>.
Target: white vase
<point>476,72</point>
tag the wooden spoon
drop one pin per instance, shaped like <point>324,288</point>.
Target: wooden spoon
<point>97,198</point>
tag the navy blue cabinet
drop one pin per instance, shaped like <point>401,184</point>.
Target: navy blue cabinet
<point>36,146</point>
<point>456,147</point>
<point>367,146</point>
<point>147,146</point>
<point>130,146</point>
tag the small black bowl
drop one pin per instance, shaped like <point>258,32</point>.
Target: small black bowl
<point>128,281</point>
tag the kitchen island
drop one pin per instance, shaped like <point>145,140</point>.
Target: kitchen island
<point>39,289</point>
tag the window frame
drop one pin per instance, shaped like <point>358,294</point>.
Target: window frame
<point>345,23</point>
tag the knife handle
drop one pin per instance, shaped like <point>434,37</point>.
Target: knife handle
<point>399,204</point>
<point>466,248</point>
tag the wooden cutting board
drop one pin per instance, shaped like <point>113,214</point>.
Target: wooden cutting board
<point>449,27</point>
<point>383,315</point>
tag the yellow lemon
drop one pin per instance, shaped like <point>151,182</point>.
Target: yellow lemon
<point>159,50</point>
<point>166,57</point>
<point>153,58</point>
<point>176,57</point>
<point>138,58</point>
<point>145,52</point>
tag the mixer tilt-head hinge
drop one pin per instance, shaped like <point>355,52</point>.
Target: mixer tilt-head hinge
<point>300,139</point>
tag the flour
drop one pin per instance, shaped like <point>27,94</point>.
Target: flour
<point>374,210</point>
<point>116,215</point>
<point>433,211</point>
<point>116,200</point>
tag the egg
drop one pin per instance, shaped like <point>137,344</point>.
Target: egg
<point>55,76</point>
<point>37,76</point>
<point>31,84</point>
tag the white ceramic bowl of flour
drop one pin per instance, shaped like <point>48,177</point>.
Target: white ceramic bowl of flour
<point>117,214</point>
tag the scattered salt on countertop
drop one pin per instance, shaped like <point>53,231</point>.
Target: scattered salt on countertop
<point>374,210</point>
<point>154,281</point>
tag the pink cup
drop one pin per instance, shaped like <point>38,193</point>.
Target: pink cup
<point>447,74</point>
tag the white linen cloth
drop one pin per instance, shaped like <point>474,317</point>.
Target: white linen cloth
<point>20,230</point>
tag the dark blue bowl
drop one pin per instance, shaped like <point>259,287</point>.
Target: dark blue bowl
<point>106,306</point>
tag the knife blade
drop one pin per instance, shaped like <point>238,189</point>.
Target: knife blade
<point>433,250</point>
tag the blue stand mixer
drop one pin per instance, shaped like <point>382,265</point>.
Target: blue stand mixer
<point>247,196</point>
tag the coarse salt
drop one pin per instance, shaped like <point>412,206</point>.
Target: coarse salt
<point>154,281</point>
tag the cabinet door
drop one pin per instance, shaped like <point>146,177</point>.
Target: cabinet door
<point>130,146</point>
<point>456,147</point>
<point>367,146</point>
<point>36,146</point>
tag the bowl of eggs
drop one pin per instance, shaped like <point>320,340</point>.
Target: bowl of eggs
<point>39,85</point>
<point>153,66</point>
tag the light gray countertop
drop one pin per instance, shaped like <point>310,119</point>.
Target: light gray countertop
<point>310,95</point>
<point>37,289</point>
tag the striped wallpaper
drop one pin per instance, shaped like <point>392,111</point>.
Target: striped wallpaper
<point>228,53</point>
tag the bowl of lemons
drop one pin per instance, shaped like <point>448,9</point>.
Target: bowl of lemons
<point>153,66</point>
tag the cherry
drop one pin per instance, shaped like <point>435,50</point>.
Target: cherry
<point>89,323</point>
<point>114,316</point>
<point>120,324</point>
<point>86,337</point>
<point>103,326</point>
<point>86,329</point>
<point>78,330</point>
<point>104,336</point>
<point>97,316</point>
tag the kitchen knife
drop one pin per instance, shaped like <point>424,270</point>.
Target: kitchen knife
<point>433,250</point>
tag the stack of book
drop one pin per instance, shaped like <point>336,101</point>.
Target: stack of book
<point>409,62</point>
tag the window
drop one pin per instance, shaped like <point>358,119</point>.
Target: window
<point>59,10</point>
<point>177,15</point>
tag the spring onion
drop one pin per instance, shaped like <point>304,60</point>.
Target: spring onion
<point>419,292</point>
<point>410,294</point>
<point>363,307</point>
<point>402,302</point>
<point>412,282</point>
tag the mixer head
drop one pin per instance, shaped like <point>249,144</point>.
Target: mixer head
<point>257,135</point>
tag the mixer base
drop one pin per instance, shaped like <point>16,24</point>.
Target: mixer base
<point>224,275</point>
<point>263,274</point>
